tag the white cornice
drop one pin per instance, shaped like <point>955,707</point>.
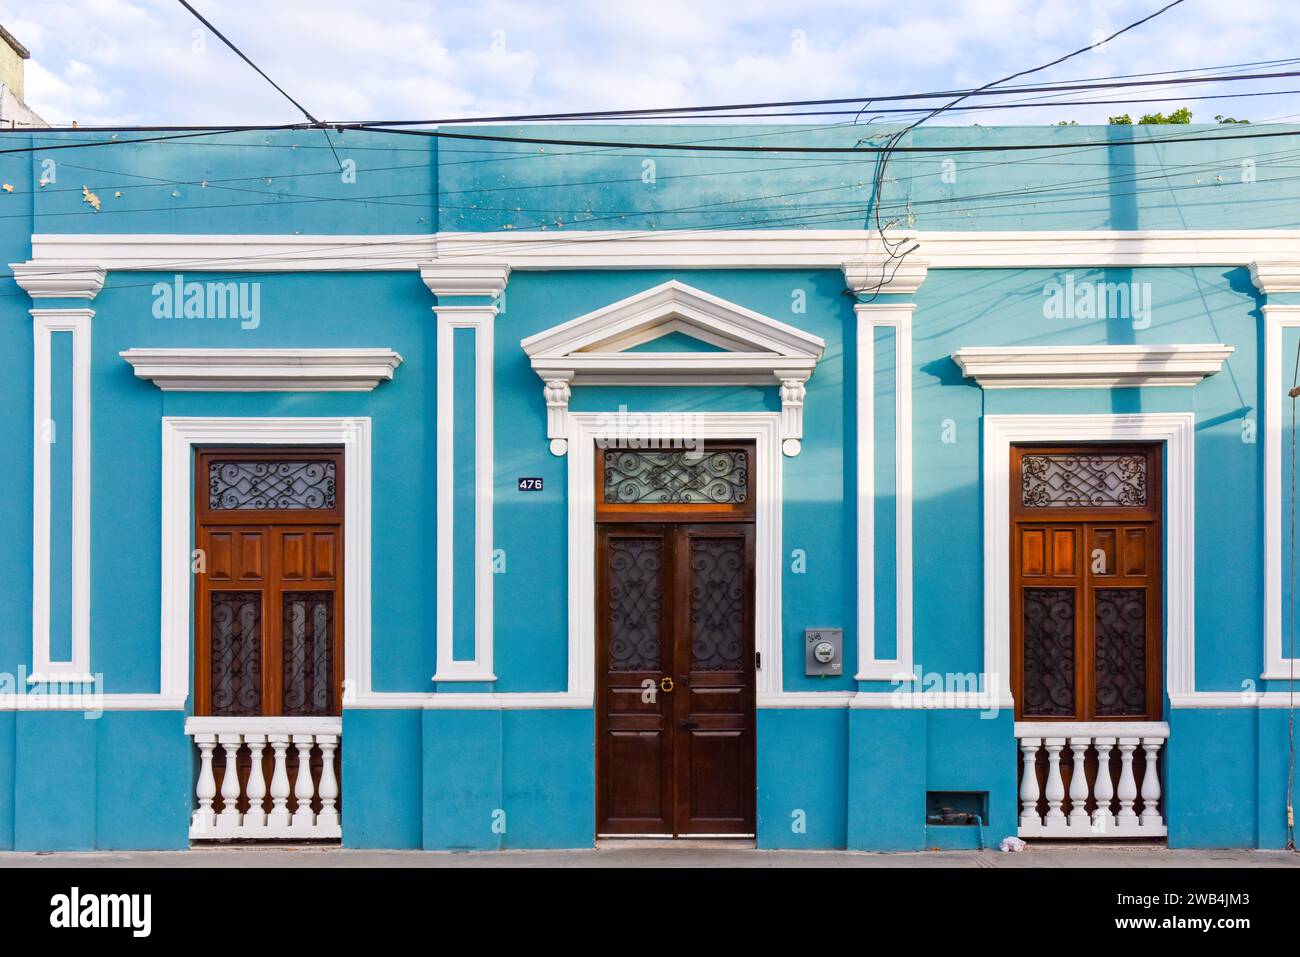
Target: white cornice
<point>1089,367</point>
<point>68,280</point>
<point>264,370</point>
<point>648,249</point>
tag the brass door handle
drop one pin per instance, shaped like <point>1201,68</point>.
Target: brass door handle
<point>666,683</point>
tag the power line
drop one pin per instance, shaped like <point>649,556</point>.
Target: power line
<point>894,140</point>
<point>982,107</point>
<point>863,150</point>
<point>662,112</point>
<point>142,139</point>
<point>685,111</point>
<point>240,53</point>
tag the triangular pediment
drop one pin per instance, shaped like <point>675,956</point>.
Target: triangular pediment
<point>674,309</point>
<point>673,335</point>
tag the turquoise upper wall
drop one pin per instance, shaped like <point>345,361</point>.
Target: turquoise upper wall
<point>1083,177</point>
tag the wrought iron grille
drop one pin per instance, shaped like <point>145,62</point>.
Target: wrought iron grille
<point>307,642</point>
<point>635,603</point>
<point>717,603</point>
<point>1070,480</point>
<point>236,653</point>
<point>262,485</point>
<point>676,477</point>
<point>1049,651</point>
<point>1121,652</point>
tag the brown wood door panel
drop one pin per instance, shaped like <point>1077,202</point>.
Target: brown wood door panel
<point>1087,612</point>
<point>272,575</point>
<point>715,697</point>
<point>634,590</point>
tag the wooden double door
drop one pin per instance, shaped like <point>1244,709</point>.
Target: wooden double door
<point>675,669</point>
<point>676,663</point>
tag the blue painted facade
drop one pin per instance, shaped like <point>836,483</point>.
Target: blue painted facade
<point>506,775</point>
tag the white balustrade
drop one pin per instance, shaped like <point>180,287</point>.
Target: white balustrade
<point>1113,798</point>
<point>261,737</point>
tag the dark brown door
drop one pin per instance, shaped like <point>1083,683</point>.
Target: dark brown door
<point>268,634</point>
<point>675,665</point>
<point>1087,622</point>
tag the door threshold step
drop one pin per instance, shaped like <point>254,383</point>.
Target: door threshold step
<point>666,842</point>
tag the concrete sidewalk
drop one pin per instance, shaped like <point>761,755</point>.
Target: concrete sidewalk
<point>651,854</point>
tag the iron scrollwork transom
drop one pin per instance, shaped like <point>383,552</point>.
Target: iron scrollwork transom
<point>262,485</point>
<point>676,477</point>
<point>1080,480</point>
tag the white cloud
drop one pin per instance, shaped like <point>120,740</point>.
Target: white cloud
<point>132,61</point>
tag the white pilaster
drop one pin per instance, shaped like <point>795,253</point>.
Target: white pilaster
<point>43,283</point>
<point>467,299</point>
<point>899,317</point>
<point>1269,278</point>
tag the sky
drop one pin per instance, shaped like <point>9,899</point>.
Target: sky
<point>149,62</point>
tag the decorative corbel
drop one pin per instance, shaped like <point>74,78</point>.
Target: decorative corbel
<point>793,392</point>
<point>880,275</point>
<point>59,280</point>
<point>557,393</point>
<point>1271,276</point>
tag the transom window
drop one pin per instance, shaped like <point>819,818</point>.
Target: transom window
<point>695,483</point>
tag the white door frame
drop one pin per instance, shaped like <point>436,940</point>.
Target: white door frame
<point>1176,430</point>
<point>180,436</point>
<point>764,429</point>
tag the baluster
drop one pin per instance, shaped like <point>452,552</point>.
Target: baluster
<point>1127,784</point>
<point>1029,817</point>
<point>303,789</point>
<point>1151,784</point>
<point>1103,819</point>
<point>279,816</point>
<point>1079,784</point>
<point>206,789</point>
<point>329,788</point>
<point>228,819</point>
<point>255,816</point>
<point>1055,785</point>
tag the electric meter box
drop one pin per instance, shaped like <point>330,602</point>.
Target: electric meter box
<point>824,651</point>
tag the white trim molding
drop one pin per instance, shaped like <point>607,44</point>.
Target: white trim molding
<point>899,317</point>
<point>1089,367</point>
<point>1232,699</point>
<point>45,432</point>
<point>62,258</point>
<point>264,370</point>
<point>588,428</point>
<point>833,248</point>
<point>753,349</point>
<point>1177,431</point>
<point>1277,319</point>
<point>483,287</point>
<point>180,436</point>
